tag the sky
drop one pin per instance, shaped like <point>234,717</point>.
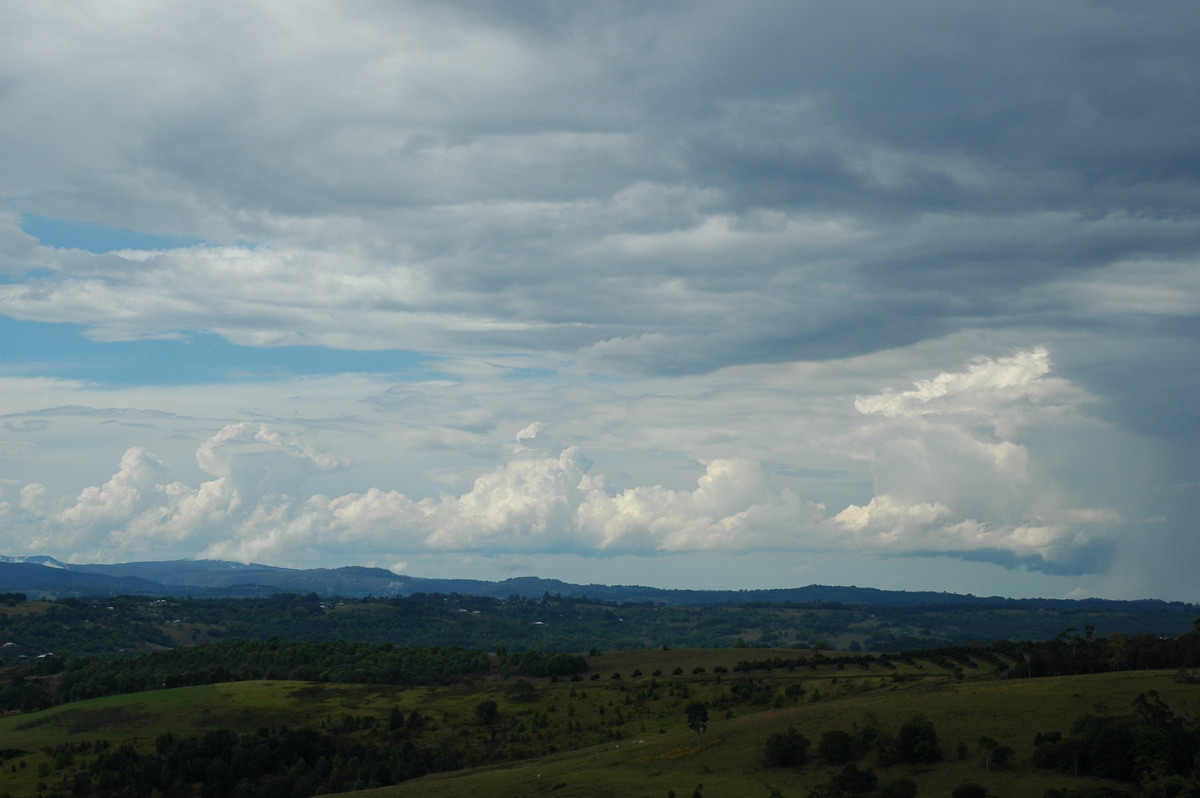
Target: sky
<point>686,294</point>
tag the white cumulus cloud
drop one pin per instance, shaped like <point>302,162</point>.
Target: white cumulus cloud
<point>957,470</point>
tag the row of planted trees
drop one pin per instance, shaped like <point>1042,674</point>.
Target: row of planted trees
<point>1068,653</point>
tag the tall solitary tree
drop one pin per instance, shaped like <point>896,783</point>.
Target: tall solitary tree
<point>697,719</point>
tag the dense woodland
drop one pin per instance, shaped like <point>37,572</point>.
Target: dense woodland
<point>130,625</point>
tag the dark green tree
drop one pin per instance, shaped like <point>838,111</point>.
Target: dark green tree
<point>917,741</point>
<point>697,719</point>
<point>487,712</point>
<point>836,747</point>
<point>969,790</point>
<point>899,788</point>
<point>786,749</point>
<point>522,690</point>
<point>994,753</point>
<point>853,780</point>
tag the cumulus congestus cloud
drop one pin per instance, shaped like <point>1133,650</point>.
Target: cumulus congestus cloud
<point>956,469</point>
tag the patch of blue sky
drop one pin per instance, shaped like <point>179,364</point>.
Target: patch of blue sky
<point>25,277</point>
<point>94,237</point>
<point>529,374</point>
<point>65,352</point>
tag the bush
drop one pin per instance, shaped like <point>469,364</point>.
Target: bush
<point>853,780</point>
<point>899,788</point>
<point>826,791</point>
<point>918,741</point>
<point>969,790</point>
<point>486,712</point>
<point>522,690</point>
<point>836,747</point>
<point>785,750</point>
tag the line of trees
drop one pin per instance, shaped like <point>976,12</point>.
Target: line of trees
<point>1068,653</point>
<point>272,762</point>
<point>242,660</point>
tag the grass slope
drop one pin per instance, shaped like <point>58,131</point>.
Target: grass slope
<point>730,760</point>
<point>620,736</point>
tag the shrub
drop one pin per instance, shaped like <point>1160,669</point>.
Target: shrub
<point>836,747</point>
<point>899,788</point>
<point>918,741</point>
<point>853,780</point>
<point>785,750</point>
<point>969,790</point>
<point>522,690</point>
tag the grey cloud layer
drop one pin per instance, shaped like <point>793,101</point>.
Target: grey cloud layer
<point>666,190</point>
<point>715,202</point>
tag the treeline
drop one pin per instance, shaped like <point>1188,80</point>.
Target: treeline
<point>128,625</point>
<point>1069,653</point>
<point>537,663</point>
<point>272,762</point>
<point>242,660</point>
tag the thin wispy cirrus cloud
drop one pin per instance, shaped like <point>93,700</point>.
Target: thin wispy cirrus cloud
<point>687,294</point>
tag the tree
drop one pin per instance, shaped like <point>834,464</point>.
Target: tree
<point>969,790</point>
<point>786,749</point>
<point>697,719</point>
<point>836,747</point>
<point>1117,655</point>
<point>899,788</point>
<point>487,712</point>
<point>853,780</point>
<point>918,741</point>
<point>994,753</point>
<point>522,690</point>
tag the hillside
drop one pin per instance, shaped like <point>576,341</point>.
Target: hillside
<point>620,729</point>
<point>217,578</point>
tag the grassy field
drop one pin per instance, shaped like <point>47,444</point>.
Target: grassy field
<point>623,736</point>
<point>729,762</point>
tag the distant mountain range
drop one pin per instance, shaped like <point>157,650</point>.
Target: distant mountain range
<point>42,576</point>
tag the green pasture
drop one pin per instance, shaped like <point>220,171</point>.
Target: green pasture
<point>623,736</point>
<point>729,762</point>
